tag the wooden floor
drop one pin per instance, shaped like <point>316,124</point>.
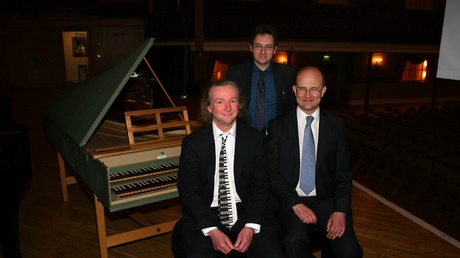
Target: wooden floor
<point>51,228</point>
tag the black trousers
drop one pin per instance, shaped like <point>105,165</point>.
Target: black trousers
<point>294,233</point>
<point>194,244</point>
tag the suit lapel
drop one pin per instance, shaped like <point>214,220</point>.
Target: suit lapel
<point>248,80</point>
<point>293,134</point>
<point>276,79</point>
<point>323,132</point>
<point>240,150</point>
<point>208,148</point>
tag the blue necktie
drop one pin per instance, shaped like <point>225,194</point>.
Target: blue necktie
<point>307,177</point>
<point>260,98</point>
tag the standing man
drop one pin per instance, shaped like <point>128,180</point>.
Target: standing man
<point>223,183</point>
<point>312,185</point>
<point>266,85</point>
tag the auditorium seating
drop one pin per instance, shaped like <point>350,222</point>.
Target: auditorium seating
<point>414,148</point>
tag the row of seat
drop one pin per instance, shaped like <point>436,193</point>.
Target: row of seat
<point>398,154</point>
<point>438,152</point>
<point>397,169</point>
<point>422,114</point>
<point>418,126</point>
<point>439,126</point>
<point>410,132</point>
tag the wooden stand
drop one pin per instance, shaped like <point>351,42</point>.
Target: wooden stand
<point>65,180</point>
<point>148,230</point>
<point>105,241</point>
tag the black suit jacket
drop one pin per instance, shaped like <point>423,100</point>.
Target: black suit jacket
<point>284,76</point>
<point>196,175</point>
<point>333,170</point>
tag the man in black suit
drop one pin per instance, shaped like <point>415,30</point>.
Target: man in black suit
<point>276,78</point>
<point>328,202</point>
<point>203,233</point>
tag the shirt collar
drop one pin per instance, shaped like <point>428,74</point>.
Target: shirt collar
<point>217,132</point>
<point>301,115</point>
<point>268,70</point>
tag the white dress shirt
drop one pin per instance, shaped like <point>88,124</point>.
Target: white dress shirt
<point>230,148</point>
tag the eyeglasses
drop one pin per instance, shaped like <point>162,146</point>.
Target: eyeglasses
<point>260,47</point>
<point>313,91</point>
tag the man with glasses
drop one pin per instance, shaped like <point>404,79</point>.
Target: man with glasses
<point>310,172</point>
<point>265,85</point>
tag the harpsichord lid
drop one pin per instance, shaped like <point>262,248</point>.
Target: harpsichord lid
<point>79,110</point>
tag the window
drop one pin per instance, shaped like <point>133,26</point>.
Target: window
<point>415,72</point>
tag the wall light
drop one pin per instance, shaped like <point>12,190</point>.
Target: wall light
<point>283,60</point>
<point>377,59</point>
<point>424,65</point>
<point>281,57</point>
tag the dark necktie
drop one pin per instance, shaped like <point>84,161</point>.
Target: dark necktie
<point>225,212</point>
<point>260,98</point>
<point>307,177</point>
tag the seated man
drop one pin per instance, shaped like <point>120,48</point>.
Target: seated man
<point>223,183</point>
<point>310,172</point>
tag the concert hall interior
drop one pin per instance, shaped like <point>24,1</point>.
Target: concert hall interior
<point>69,70</point>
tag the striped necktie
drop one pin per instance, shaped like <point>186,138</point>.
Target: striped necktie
<point>225,210</point>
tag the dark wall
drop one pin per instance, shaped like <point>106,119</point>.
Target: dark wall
<point>33,53</point>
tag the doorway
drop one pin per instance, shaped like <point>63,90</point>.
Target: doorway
<point>76,55</point>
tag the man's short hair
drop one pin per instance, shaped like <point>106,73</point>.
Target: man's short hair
<point>262,30</point>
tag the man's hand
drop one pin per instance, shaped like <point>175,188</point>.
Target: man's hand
<point>336,225</point>
<point>244,239</point>
<point>305,214</point>
<point>220,241</point>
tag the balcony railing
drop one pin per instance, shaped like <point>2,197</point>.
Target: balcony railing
<point>325,24</point>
